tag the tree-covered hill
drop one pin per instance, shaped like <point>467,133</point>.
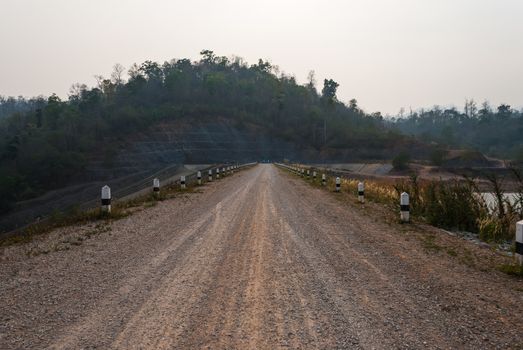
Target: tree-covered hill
<point>493,131</point>
<point>44,143</point>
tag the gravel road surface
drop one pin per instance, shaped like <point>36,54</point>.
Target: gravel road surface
<point>259,260</point>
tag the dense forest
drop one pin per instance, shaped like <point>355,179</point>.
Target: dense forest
<point>10,105</point>
<point>493,131</point>
<point>44,142</point>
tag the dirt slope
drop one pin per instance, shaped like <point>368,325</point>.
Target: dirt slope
<point>259,260</point>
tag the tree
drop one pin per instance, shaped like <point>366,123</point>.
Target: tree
<point>329,91</point>
<point>504,111</point>
<point>311,81</point>
<point>470,108</point>
<point>485,109</point>
<point>401,161</point>
<point>208,56</point>
<point>152,71</point>
<point>353,105</point>
<point>117,74</point>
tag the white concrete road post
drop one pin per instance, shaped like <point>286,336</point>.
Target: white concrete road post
<point>338,184</point>
<point>404,207</point>
<point>182,182</point>
<point>323,179</point>
<point>156,186</point>
<point>106,199</point>
<point>199,177</point>
<point>519,242</point>
<point>210,175</point>
<point>361,192</point>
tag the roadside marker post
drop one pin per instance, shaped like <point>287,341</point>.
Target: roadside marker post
<point>106,199</point>
<point>223,172</point>
<point>361,192</point>
<point>323,179</point>
<point>308,174</point>
<point>199,177</point>
<point>314,176</point>
<point>217,173</point>
<point>338,184</point>
<point>156,186</point>
<point>519,242</point>
<point>404,207</point>
<point>182,182</point>
<point>210,175</point>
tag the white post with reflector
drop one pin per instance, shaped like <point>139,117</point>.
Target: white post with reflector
<point>519,242</point>
<point>361,192</point>
<point>182,182</point>
<point>314,175</point>
<point>199,177</point>
<point>156,186</point>
<point>217,173</point>
<point>323,179</point>
<point>106,199</point>
<point>338,184</point>
<point>210,175</point>
<point>404,207</point>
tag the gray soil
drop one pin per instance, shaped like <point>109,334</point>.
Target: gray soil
<point>259,260</point>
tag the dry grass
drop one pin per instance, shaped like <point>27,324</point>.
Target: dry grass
<point>453,205</point>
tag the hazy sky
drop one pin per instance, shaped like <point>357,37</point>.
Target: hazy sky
<point>387,54</point>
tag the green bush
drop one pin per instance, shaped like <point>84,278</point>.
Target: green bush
<point>401,161</point>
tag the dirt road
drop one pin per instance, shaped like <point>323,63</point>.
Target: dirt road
<point>259,260</point>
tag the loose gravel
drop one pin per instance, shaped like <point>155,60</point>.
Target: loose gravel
<point>259,260</point>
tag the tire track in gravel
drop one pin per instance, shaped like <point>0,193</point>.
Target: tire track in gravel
<point>402,286</point>
<point>187,249</point>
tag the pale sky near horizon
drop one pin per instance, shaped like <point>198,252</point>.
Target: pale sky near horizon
<point>387,54</point>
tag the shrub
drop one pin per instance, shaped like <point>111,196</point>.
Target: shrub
<point>401,161</point>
